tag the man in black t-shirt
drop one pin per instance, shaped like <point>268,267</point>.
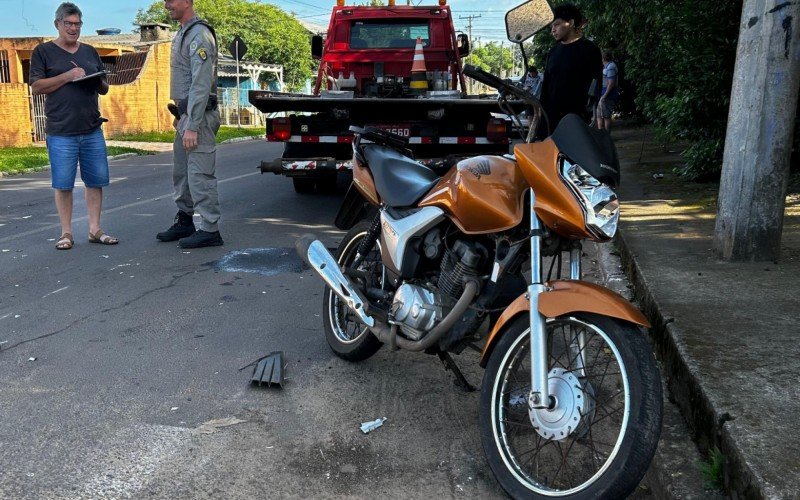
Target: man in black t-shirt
<point>572,65</point>
<point>63,70</point>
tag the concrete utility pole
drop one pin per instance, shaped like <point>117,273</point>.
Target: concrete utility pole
<point>758,144</point>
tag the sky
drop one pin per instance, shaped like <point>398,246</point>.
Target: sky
<point>35,17</point>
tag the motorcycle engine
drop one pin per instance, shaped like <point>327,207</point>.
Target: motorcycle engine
<point>460,263</point>
<point>416,310</point>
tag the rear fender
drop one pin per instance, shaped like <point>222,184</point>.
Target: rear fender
<point>565,297</point>
<point>354,208</point>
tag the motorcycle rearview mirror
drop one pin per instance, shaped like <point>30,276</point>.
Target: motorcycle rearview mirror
<point>316,47</point>
<point>525,20</point>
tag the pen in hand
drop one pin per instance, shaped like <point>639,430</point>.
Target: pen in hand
<point>77,74</point>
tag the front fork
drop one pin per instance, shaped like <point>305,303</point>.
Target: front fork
<point>539,396</point>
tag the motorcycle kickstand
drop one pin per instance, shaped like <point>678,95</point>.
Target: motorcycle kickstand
<point>460,380</point>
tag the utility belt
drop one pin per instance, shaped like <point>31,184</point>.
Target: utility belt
<point>181,106</point>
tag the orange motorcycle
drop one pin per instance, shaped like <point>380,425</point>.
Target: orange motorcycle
<point>571,400</point>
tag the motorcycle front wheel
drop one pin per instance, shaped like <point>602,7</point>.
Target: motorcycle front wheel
<point>600,433</point>
<point>347,337</point>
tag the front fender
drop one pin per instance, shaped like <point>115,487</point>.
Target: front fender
<point>566,297</point>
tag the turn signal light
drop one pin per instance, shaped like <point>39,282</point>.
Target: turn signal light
<point>340,3</point>
<point>442,2</point>
<point>281,130</point>
<point>496,130</point>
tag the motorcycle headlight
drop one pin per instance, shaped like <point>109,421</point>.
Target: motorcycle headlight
<point>599,202</point>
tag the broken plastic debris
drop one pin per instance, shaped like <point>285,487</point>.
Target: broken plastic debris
<point>6,250</point>
<point>174,408</point>
<point>371,426</point>
<point>31,359</point>
<point>104,256</point>
<point>658,175</point>
<point>268,370</point>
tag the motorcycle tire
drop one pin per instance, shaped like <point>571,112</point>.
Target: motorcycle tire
<point>361,343</point>
<point>540,453</point>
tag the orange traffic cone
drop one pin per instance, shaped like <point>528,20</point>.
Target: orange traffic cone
<point>419,78</point>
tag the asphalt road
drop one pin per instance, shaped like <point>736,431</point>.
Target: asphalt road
<point>113,356</point>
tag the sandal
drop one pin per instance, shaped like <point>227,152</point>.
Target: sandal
<point>102,238</point>
<point>65,242</point>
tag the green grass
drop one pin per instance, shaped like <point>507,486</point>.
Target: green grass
<point>32,158</point>
<point>145,137</point>
<point>712,469</point>
<point>224,134</point>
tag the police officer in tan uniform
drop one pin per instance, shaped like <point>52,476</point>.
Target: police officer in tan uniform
<point>193,88</point>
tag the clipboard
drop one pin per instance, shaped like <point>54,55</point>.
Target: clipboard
<point>93,75</point>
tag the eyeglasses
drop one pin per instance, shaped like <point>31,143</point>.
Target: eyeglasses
<point>70,24</point>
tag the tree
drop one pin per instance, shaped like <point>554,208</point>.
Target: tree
<point>156,13</point>
<point>272,35</point>
<point>494,58</point>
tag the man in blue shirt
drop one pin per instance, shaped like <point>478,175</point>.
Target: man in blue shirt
<point>610,93</point>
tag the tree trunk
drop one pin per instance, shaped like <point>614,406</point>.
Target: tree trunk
<point>758,143</point>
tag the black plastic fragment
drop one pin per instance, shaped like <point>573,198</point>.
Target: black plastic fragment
<point>269,370</point>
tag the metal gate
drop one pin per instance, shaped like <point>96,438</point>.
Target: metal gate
<point>37,116</point>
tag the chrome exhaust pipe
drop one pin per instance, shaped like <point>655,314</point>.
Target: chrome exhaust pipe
<point>314,253</point>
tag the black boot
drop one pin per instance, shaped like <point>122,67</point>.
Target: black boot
<point>183,227</point>
<point>201,239</point>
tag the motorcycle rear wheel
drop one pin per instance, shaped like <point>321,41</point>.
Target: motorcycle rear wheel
<point>347,337</point>
<point>600,438</point>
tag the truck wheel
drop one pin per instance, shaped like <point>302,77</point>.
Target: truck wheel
<point>303,185</point>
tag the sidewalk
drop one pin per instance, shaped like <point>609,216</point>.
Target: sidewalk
<point>159,147</point>
<point>727,333</point>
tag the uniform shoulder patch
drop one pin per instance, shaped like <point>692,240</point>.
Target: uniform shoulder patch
<point>202,53</point>
<point>193,46</point>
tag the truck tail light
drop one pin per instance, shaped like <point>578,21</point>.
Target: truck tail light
<point>281,130</point>
<point>496,130</point>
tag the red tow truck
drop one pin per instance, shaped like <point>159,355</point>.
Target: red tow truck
<point>364,79</point>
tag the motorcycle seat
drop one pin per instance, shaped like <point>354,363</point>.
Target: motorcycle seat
<point>399,180</point>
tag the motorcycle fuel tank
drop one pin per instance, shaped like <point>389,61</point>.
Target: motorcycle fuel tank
<point>484,194</point>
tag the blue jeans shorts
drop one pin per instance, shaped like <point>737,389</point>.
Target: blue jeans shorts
<point>88,150</point>
<point>607,109</point>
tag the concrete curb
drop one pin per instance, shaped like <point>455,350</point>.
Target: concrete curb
<point>706,424</point>
<point>47,167</point>
<point>242,139</point>
<point>673,473</point>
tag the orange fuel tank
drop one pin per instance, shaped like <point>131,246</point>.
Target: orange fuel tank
<point>484,194</point>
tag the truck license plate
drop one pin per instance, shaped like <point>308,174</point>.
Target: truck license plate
<point>401,130</point>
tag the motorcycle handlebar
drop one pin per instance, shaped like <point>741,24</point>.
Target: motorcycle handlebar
<point>505,89</point>
<point>492,81</point>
